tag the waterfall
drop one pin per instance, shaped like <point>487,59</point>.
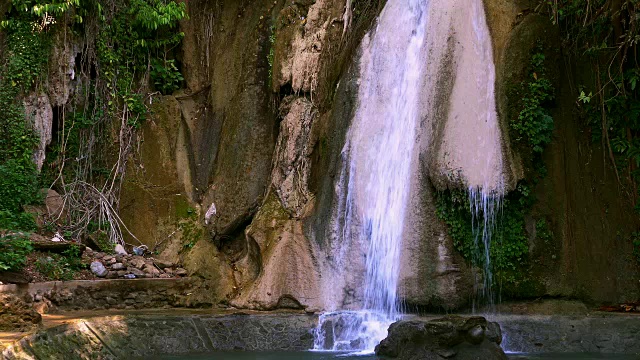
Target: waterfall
<point>377,156</point>
<point>397,81</point>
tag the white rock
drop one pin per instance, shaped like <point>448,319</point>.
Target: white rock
<point>98,269</point>
<point>119,249</point>
<point>210,212</point>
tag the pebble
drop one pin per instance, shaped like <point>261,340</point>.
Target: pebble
<point>118,266</point>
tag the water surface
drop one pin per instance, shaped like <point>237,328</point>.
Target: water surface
<point>313,355</point>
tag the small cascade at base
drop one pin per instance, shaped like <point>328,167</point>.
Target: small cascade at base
<point>485,208</point>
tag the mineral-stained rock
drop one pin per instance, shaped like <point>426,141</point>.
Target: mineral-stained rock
<point>14,277</point>
<point>451,337</point>
<point>41,243</point>
<point>150,269</point>
<point>98,269</point>
<point>181,272</point>
<point>136,272</point>
<point>163,264</point>
<point>38,110</point>
<point>138,263</point>
<point>16,314</point>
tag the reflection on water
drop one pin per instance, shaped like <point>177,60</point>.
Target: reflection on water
<point>313,355</point>
<point>249,355</point>
<point>573,356</point>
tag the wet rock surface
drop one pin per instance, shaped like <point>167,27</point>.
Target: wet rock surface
<point>149,336</point>
<point>451,337</point>
<point>16,314</point>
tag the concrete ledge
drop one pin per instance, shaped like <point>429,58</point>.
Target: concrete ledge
<point>132,334</point>
<point>594,333</point>
<point>136,336</point>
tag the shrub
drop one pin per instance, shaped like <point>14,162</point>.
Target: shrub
<point>13,252</point>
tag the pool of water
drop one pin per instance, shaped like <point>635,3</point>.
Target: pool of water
<point>573,356</point>
<point>312,355</point>
<point>249,355</point>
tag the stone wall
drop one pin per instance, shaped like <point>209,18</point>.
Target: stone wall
<point>126,337</point>
<point>595,333</point>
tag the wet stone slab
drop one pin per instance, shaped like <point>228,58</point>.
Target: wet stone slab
<point>599,333</point>
<point>138,336</point>
<point>286,332</point>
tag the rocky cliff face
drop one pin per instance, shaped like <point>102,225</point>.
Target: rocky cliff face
<point>239,171</point>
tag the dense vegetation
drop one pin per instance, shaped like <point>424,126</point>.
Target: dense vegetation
<point>530,132</point>
<point>603,37</point>
<point>128,58</point>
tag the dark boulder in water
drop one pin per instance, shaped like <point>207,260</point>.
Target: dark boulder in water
<point>451,337</point>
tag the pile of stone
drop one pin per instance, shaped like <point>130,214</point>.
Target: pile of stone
<point>127,266</point>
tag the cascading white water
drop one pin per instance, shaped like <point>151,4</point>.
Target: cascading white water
<point>398,74</point>
<point>376,158</point>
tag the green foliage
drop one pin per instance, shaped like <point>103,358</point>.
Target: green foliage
<point>100,237</point>
<point>510,246</point>
<point>636,245</point>
<point>605,35</point>
<point>25,62</point>
<point>191,230</point>
<point>61,266</point>
<point>13,251</point>
<point>46,10</point>
<point>166,76</point>
<point>534,123</point>
<point>139,36</point>
<point>543,232</point>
